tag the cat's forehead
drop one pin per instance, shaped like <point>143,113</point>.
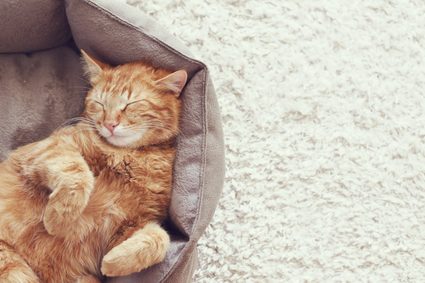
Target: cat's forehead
<point>120,98</point>
<point>120,91</point>
<point>123,84</point>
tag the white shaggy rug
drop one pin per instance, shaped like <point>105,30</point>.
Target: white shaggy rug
<point>323,110</point>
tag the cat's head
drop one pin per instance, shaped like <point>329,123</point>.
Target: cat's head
<point>134,104</point>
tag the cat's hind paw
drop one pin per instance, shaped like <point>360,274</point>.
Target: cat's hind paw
<point>143,249</point>
<point>117,264</point>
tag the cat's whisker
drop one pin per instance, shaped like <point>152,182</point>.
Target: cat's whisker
<point>177,131</point>
<point>81,126</point>
<point>86,128</point>
<point>81,122</point>
<point>82,131</point>
<point>156,124</point>
<point>76,119</point>
<point>150,126</point>
<point>159,127</point>
<point>86,121</point>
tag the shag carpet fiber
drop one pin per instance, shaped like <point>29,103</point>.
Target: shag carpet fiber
<point>323,110</point>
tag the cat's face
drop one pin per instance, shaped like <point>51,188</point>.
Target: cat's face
<point>132,105</point>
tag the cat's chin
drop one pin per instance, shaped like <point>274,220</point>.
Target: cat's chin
<point>124,141</point>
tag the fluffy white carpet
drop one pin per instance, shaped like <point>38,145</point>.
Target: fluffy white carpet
<point>323,111</point>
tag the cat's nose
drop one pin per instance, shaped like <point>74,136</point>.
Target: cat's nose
<point>111,126</point>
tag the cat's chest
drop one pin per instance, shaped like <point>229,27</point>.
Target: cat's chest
<point>126,167</point>
<point>140,169</point>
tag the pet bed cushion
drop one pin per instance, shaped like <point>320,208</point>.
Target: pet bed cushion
<point>42,85</point>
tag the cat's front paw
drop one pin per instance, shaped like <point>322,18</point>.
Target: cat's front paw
<point>66,205</point>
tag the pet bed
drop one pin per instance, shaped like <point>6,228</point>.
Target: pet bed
<point>42,85</point>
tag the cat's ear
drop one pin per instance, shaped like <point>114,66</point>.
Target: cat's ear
<point>174,82</point>
<point>92,66</point>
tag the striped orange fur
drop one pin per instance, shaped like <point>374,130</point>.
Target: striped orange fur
<point>88,200</point>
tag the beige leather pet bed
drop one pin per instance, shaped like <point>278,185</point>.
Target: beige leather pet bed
<point>42,85</point>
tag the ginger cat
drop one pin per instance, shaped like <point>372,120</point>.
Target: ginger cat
<point>89,199</point>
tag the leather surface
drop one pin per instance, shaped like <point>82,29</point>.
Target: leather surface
<point>118,33</point>
<point>29,25</point>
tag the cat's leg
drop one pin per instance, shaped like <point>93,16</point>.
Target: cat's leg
<point>13,268</point>
<point>67,174</point>
<point>145,247</point>
<point>57,164</point>
<point>71,182</point>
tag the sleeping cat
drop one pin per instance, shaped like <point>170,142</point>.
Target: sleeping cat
<point>89,199</point>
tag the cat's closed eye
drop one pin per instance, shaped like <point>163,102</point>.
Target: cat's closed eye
<point>99,103</point>
<point>95,107</point>
<point>136,105</point>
